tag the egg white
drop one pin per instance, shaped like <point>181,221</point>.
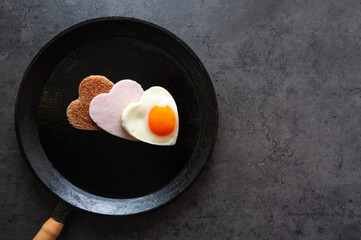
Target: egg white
<point>134,117</point>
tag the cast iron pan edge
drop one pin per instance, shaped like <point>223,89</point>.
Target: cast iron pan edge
<point>118,206</point>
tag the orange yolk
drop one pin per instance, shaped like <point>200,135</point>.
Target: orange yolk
<point>161,120</point>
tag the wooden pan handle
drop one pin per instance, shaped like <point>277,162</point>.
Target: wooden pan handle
<point>52,228</point>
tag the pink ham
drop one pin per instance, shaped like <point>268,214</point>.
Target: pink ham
<point>105,109</point>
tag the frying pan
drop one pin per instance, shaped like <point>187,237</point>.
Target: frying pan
<point>93,170</point>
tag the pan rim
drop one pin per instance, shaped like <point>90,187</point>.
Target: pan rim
<point>124,211</point>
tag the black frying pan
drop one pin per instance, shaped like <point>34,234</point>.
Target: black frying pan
<point>93,170</point>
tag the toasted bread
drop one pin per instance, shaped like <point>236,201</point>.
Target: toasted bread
<point>78,110</point>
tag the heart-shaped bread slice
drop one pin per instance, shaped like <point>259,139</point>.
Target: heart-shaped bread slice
<point>78,110</point>
<point>105,109</point>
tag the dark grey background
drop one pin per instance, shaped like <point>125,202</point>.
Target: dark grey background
<point>287,162</point>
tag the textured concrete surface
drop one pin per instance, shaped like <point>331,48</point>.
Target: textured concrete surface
<point>287,162</point>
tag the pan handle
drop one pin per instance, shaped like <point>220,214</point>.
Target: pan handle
<point>53,226</point>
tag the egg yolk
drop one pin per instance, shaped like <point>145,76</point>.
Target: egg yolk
<point>161,120</point>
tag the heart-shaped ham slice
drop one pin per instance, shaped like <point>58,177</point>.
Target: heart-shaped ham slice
<point>105,109</point>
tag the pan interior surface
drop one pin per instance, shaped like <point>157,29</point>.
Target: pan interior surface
<point>101,163</point>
